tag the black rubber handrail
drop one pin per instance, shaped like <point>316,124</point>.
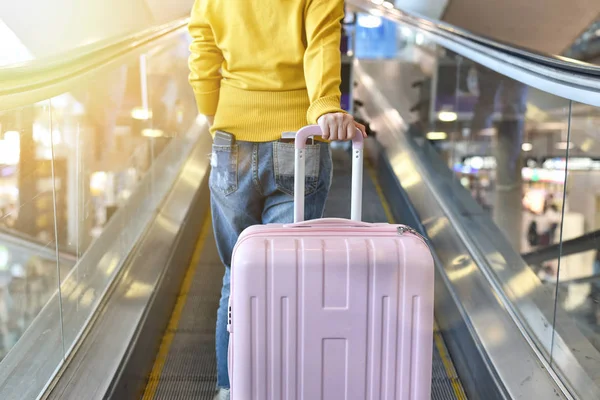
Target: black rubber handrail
<point>587,242</point>
<point>585,279</point>
<point>554,61</point>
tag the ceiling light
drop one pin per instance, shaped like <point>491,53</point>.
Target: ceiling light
<point>488,132</point>
<point>377,2</point>
<point>12,136</point>
<point>375,12</point>
<point>526,146</point>
<point>587,145</point>
<point>419,39</point>
<point>447,116</point>
<point>98,182</point>
<point>564,145</point>
<point>406,31</point>
<point>388,5</point>
<point>141,113</point>
<point>437,135</point>
<point>370,21</point>
<point>152,133</point>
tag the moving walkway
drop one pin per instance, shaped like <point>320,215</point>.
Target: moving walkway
<point>133,315</point>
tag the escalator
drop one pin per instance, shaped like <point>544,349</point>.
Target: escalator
<point>133,314</point>
<point>185,364</point>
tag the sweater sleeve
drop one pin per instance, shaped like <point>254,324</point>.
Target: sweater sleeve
<point>205,61</point>
<point>322,58</point>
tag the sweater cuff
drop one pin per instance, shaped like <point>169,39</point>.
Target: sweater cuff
<point>324,105</point>
<point>207,102</point>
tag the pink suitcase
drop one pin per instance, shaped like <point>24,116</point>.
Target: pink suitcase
<point>331,309</point>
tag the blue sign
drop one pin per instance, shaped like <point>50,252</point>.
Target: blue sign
<point>376,37</point>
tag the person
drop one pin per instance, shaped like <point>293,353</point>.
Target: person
<point>259,69</point>
<point>541,232</point>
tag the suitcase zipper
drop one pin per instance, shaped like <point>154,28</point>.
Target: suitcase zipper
<point>400,231</point>
<point>404,229</point>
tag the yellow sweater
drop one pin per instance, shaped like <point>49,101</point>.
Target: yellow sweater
<point>263,67</point>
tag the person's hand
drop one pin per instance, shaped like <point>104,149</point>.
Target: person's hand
<point>339,126</point>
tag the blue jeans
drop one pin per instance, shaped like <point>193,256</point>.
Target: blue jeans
<point>251,184</point>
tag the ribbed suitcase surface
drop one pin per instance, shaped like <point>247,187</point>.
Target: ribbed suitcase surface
<point>330,312</point>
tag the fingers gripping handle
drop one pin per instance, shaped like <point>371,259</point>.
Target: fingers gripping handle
<point>300,172</point>
<point>315,130</point>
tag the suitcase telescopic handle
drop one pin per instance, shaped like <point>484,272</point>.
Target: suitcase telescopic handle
<point>300,172</point>
<point>332,222</point>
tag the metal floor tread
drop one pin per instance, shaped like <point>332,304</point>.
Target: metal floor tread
<point>185,367</point>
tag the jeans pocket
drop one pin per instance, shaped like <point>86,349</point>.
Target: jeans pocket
<point>224,169</point>
<point>283,161</point>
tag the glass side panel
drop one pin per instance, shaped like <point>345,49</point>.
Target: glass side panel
<point>116,128</point>
<point>82,174</point>
<point>577,293</point>
<point>171,99</point>
<point>482,125</point>
<point>507,145</point>
<point>28,255</point>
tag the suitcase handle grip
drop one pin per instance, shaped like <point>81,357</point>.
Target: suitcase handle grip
<point>315,130</point>
<point>300,172</point>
